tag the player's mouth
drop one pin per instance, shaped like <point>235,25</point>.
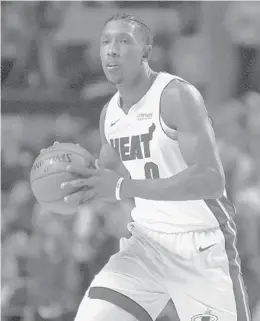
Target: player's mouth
<point>112,66</point>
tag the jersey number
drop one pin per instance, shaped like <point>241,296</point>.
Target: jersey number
<point>151,170</point>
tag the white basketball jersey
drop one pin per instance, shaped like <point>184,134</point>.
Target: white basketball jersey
<point>149,153</point>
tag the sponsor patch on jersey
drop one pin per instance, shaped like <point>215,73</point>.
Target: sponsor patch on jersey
<point>144,116</point>
<point>207,316</point>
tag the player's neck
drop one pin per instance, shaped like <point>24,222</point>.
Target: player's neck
<point>131,94</point>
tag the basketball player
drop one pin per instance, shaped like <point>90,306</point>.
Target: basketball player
<point>183,238</point>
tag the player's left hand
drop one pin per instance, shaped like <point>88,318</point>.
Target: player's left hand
<point>96,184</point>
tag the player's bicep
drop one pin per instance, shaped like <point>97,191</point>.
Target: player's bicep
<point>198,146</point>
<point>195,134</point>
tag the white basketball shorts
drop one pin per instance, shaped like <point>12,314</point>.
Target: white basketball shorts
<point>199,271</point>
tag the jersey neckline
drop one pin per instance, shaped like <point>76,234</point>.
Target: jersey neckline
<point>141,99</point>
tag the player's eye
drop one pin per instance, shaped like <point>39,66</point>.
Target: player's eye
<point>104,42</point>
<point>124,41</point>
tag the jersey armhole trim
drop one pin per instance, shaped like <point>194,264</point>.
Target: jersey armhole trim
<point>168,131</point>
<point>175,134</point>
<point>105,120</point>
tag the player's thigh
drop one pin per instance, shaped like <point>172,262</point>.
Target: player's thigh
<point>99,310</point>
<point>213,286</point>
<point>169,313</point>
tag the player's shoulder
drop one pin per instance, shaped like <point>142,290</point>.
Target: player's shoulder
<point>106,106</point>
<point>104,110</point>
<point>102,123</point>
<point>103,114</point>
<point>180,100</point>
<point>180,90</point>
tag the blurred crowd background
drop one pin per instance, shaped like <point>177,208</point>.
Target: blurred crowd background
<point>53,89</point>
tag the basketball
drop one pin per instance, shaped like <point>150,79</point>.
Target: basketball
<point>49,171</point>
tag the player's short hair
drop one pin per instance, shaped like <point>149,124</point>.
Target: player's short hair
<point>143,28</point>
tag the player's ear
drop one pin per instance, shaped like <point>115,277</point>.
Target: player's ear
<point>147,52</point>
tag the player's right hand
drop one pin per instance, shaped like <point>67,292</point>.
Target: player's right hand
<point>93,185</point>
<point>55,143</point>
<point>45,149</point>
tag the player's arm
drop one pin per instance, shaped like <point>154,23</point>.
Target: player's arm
<point>183,108</point>
<point>108,156</point>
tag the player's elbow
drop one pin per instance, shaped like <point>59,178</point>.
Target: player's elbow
<point>216,177</point>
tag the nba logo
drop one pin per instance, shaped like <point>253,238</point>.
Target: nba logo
<point>207,316</point>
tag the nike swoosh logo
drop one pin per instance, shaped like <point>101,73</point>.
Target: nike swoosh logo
<point>114,122</point>
<point>202,249</point>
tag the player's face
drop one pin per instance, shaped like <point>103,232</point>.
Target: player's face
<point>121,51</point>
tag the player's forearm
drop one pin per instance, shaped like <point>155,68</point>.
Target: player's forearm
<point>190,184</point>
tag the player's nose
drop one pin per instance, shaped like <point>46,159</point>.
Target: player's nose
<point>113,51</point>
